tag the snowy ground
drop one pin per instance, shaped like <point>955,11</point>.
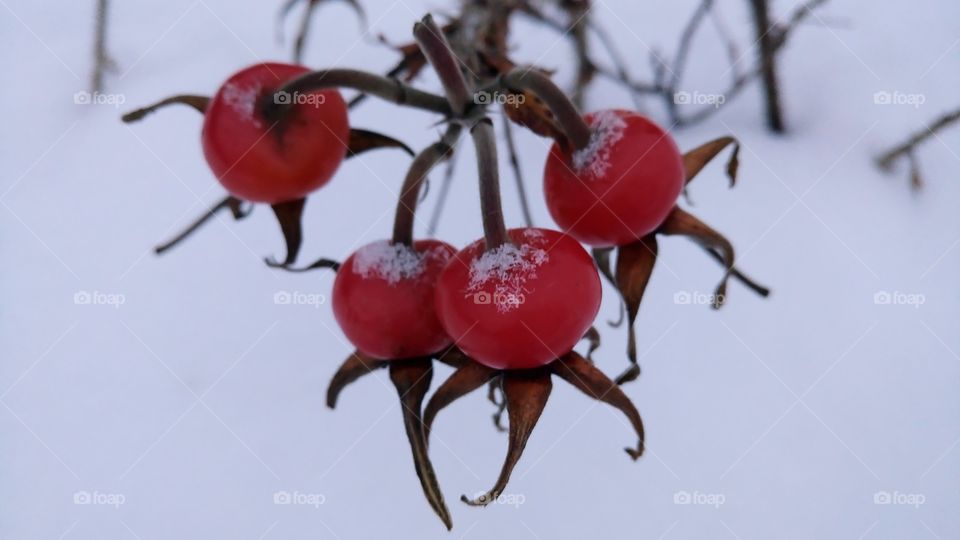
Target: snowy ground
<point>198,398</point>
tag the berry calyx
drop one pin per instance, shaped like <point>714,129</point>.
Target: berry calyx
<point>520,305</point>
<point>620,186</point>
<point>383,298</point>
<point>261,160</point>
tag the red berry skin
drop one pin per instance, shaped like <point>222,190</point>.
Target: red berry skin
<point>626,191</point>
<point>248,154</point>
<point>521,314</point>
<point>383,299</point>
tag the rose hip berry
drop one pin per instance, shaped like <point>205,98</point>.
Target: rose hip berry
<point>520,305</point>
<point>383,299</point>
<point>260,160</point>
<point>621,186</point>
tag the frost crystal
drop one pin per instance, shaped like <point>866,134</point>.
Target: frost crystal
<point>508,268</point>
<point>391,262</point>
<point>593,161</point>
<point>242,99</point>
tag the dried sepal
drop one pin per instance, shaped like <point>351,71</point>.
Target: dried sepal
<point>634,267</point>
<point>362,140</point>
<point>412,380</point>
<point>319,264</point>
<point>526,392</point>
<point>495,388</point>
<point>199,103</point>
<point>233,204</point>
<point>585,376</point>
<point>289,214</point>
<point>736,274</point>
<point>355,366</point>
<point>592,336</point>
<point>696,159</point>
<point>527,110</point>
<point>464,380</point>
<point>601,256</point>
<point>683,223</point>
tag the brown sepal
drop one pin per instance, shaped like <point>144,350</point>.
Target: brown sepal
<point>355,366</point>
<point>686,224</point>
<point>593,337</point>
<point>464,380</point>
<point>412,380</point>
<point>634,267</point>
<point>495,387</point>
<point>696,159</point>
<point>362,140</point>
<point>584,376</point>
<point>289,215</point>
<point>197,102</point>
<point>233,204</point>
<point>526,392</point>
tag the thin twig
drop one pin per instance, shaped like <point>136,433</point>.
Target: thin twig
<point>517,173</point>
<point>410,192</point>
<point>443,194</point>
<point>101,61</point>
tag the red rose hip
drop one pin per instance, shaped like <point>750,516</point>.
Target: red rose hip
<point>522,304</point>
<point>621,186</point>
<point>257,159</point>
<point>383,299</point>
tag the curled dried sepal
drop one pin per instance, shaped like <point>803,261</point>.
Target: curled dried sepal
<point>464,380</point>
<point>526,393</point>
<point>494,387</point>
<point>584,376</point>
<point>593,337</point>
<point>197,102</point>
<point>289,215</point>
<point>355,366</point>
<point>412,380</point>
<point>634,267</point>
<point>233,204</point>
<point>696,159</point>
<point>686,224</point>
<point>601,256</point>
<point>362,140</point>
<point>316,265</point>
<point>749,282</point>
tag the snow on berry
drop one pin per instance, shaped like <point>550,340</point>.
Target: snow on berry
<point>593,161</point>
<point>508,268</point>
<point>392,262</point>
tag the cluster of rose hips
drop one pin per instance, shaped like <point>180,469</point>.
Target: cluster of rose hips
<point>507,309</point>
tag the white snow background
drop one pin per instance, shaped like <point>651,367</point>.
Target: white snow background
<point>199,398</point>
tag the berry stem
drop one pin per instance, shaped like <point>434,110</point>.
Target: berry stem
<point>385,88</point>
<point>425,161</point>
<point>494,228</point>
<point>435,47</point>
<point>566,113</point>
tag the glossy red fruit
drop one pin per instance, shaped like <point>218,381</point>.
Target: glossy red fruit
<point>523,304</point>
<point>259,161</point>
<point>383,299</point>
<point>621,187</point>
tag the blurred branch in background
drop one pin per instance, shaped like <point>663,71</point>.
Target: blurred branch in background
<point>907,149</point>
<point>101,60</point>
